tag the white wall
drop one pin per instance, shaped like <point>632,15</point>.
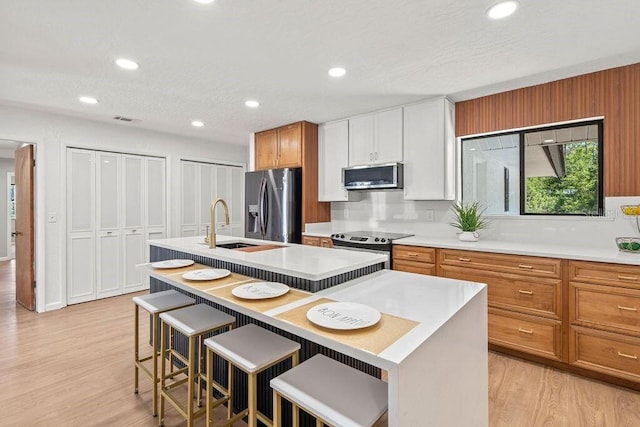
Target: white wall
<point>52,134</point>
<point>386,210</point>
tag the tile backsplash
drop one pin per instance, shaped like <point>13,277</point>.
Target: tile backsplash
<point>388,211</point>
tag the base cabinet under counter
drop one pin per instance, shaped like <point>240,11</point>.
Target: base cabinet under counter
<point>323,242</point>
<point>414,259</point>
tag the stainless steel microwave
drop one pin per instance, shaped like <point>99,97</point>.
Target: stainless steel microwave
<point>373,177</point>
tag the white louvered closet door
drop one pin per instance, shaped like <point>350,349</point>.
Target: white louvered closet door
<point>134,236</point>
<point>80,226</point>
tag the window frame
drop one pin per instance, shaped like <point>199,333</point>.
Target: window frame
<point>599,121</point>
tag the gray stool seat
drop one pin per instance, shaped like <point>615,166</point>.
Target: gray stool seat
<point>155,303</point>
<point>336,393</point>
<point>251,348</point>
<point>163,301</point>
<point>196,319</point>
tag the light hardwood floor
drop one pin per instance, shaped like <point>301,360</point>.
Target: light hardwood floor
<point>73,367</point>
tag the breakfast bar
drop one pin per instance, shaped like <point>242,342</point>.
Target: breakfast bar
<point>430,337</point>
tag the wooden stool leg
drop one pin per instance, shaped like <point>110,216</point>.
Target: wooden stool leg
<point>295,420</point>
<point>253,404</point>
<point>190,382</point>
<point>230,390</point>
<point>163,343</point>
<point>277,408</point>
<point>209,389</point>
<point>154,356</point>
<point>319,423</point>
<point>136,347</point>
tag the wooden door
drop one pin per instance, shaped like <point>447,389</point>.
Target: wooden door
<point>267,149</point>
<point>25,272</point>
<point>290,146</point>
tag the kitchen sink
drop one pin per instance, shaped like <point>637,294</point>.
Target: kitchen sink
<point>235,245</point>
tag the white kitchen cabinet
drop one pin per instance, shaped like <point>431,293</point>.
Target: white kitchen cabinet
<point>202,183</point>
<point>115,202</point>
<point>376,138</point>
<point>333,155</point>
<point>429,150</point>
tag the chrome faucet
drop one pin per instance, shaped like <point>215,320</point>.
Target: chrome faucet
<point>212,235</point>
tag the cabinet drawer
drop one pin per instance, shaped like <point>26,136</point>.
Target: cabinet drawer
<point>607,307</point>
<point>414,253</point>
<point>605,352</point>
<point>310,240</point>
<point>627,276</point>
<point>414,267</point>
<point>530,266</point>
<point>326,242</point>
<point>533,295</point>
<point>542,337</point>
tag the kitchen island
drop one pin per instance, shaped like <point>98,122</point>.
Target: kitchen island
<point>431,339</point>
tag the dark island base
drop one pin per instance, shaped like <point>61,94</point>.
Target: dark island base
<point>307,350</point>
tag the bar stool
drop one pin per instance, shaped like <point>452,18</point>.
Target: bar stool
<point>251,349</point>
<point>155,303</point>
<point>194,323</point>
<point>334,393</point>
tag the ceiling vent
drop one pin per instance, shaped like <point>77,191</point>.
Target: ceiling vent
<point>122,119</point>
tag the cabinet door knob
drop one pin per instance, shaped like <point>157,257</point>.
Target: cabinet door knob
<point>522,291</point>
<point>628,356</point>
<point>463,259</point>
<point>526,331</point>
<point>370,156</point>
<point>525,266</point>
<point>630,278</point>
<point>622,307</point>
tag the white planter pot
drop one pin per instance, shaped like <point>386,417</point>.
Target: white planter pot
<point>468,236</point>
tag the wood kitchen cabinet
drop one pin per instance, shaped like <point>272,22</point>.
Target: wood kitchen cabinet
<point>323,242</point>
<point>414,259</point>
<point>290,146</point>
<point>524,297</point>
<point>279,148</point>
<point>604,313</point>
<point>376,138</point>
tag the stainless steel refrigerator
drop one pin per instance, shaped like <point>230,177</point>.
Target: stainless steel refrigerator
<point>273,205</point>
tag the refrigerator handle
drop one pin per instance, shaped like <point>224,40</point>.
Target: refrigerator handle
<point>261,206</point>
<point>265,209</point>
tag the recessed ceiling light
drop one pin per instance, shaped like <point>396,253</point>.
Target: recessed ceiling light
<point>549,140</point>
<point>252,103</point>
<point>502,9</point>
<point>127,64</point>
<point>203,1</point>
<point>337,72</point>
<point>88,100</point>
<point>197,124</point>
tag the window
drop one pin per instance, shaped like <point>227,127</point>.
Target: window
<point>544,171</point>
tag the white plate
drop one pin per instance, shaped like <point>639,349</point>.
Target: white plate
<point>260,290</point>
<point>206,274</point>
<point>172,263</point>
<point>343,315</point>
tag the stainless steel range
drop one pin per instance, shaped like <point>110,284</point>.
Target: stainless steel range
<point>368,241</point>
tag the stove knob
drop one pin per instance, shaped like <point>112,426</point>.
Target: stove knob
<point>376,239</point>
<point>334,235</point>
<point>383,240</point>
<point>342,236</point>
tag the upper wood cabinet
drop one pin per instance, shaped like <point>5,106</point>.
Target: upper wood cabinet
<point>376,138</point>
<point>279,148</point>
<point>295,146</point>
<point>429,151</point>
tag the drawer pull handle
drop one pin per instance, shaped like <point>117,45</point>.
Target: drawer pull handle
<point>412,254</point>
<point>622,307</point>
<point>463,259</point>
<point>628,356</point>
<point>522,291</point>
<point>527,331</point>
<point>632,278</point>
<point>528,267</point>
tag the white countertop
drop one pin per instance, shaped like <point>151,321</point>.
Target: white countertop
<point>307,262</point>
<point>581,253</point>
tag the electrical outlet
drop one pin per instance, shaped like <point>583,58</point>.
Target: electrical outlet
<point>53,217</point>
<point>428,215</point>
<point>346,213</point>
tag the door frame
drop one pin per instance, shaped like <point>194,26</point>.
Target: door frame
<point>10,175</point>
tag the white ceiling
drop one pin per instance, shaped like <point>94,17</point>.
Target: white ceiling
<point>203,61</point>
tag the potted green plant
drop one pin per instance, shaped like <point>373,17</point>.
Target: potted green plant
<point>469,218</point>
